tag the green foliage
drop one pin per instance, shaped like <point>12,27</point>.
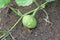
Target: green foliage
<point>4,3</point>
<point>43,6</point>
<point>24,2</point>
<point>49,0</point>
<point>29,21</point>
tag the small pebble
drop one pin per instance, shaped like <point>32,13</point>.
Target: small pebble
<point>36,34</point>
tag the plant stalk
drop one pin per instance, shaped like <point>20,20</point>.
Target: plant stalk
<point>42,7</point>
<point>17,12</point>
<point>35,10</point>
<point>36,3</point>
<point>15,24</point>
<point>46,14</point>
<point>11,28</point>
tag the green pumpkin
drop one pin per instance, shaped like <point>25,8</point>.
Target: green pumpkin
<point>29,21</point>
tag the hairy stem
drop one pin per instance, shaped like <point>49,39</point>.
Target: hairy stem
<point>12,36</point>
<point>46,14</point>
<point>15,24</point>
<point>42,7</point>
<point>36,3</point>
<point>35,11</point>
<point>47,17</point>
<point>11,28</point>
<point>36,8</point>
<point>15,11</point>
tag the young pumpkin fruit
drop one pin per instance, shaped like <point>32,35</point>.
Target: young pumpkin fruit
<point>29,21</point>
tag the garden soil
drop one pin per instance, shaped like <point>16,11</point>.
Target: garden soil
<point>43,31</point>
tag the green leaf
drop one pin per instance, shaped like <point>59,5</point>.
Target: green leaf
<point>24,2</point>
<point>49,0</point>
<point>4,3</point>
